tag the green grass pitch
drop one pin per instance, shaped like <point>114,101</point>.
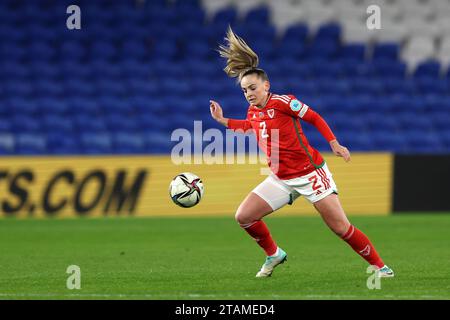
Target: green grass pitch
<point>212,258</point>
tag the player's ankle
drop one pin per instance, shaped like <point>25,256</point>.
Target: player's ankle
<point>276,252</point>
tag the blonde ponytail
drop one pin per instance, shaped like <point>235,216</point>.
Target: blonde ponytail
<point>240,57</point>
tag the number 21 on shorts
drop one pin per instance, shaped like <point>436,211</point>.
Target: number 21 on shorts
<point>316,185</point>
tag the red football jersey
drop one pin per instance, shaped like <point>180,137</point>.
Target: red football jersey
<point>280,136</point>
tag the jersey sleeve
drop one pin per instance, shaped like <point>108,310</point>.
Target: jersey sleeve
<point>291,105</point>
<point>235,124</point>
<point>301,110</point>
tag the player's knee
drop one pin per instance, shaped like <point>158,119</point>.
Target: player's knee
<point>242,218</point>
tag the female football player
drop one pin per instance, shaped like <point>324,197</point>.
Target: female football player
<point>296,167</point>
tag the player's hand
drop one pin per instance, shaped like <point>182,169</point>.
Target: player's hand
<point>217,113</point>
<point>339,150</point>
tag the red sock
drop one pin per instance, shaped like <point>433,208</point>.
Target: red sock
<point>258,230</point>
<point>362,245</point>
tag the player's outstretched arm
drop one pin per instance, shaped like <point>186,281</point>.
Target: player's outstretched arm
<point>217,113</point>
<point>317,121</point>
<point>233,124</point>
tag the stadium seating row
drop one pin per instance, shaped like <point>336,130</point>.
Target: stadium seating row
<point>111,86</point>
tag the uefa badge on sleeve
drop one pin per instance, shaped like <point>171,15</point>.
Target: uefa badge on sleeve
<point>295,105</point>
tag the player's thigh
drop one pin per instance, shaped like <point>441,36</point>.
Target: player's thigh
<point>252,208</point>
<point>267,197</point>
<point>333,214</point>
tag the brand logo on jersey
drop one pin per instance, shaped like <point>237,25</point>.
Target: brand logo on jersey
<point>271,112</point>
<point>318,192</point>
<point>295,105</point>
<point>254,116</point>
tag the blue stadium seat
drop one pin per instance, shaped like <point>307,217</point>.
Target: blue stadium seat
<point>259,15</point>
<point>104,70</point>
<point>330,86</point>
<point>19,89</point>
<point>323,49</point>
<point>75,70</point>
<point>364,85</point>
<point>46,88</point>
<point>441,120</point>
<point>356,140</point>
<point>166,50</point>
<point>306,87</point>
<point>325,69</point>
<point>445,138</point>
<point>401,86</point>
<point>14,53</point>
<point>46,71</point>
<point>53,106</point>
<point>198,70</point>
<point>57,123</point>
<point>388,68</point>
<point>433,102</point>
<point>23,123</point>
<point>379,122</point>
<point>158,143</point>
<point>343,122</point>
<point>78,88</point>
<point>86,123</point>
<point>6,125</point>
<point>354,51</point>
<point>389,141</point>
<point>103,50</point>
<point>197,50</point>
<point>196,14</point>
<point>39,50</point>
<point>265,49</point>
<point>423,142</point>
<point>353,68</point>
<point>429,69</point>
<point>7,143</point>
<point>134,49</point>
<point>146,104</point>
<point>12,70</point>
<point>296,33</point>
<point>149,122</point>
<point>96,143</point>
<point>411,122</point>
<point>330,32</point>
<point>389,51</point>
<point>83,106</point>
<point>30,144</point>
<point>25,107</point>
<point>227,15</point>
<point>430,85</point>
<point>292,49</point>
<point>126,143</point>
<point>111,88</point>
<point>117,122</point>
<point>407,104</point>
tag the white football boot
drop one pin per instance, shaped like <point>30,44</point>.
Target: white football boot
<point>271,262</point>
<point>385,272</point>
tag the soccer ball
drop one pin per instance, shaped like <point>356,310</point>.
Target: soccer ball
<point>186,190</point>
